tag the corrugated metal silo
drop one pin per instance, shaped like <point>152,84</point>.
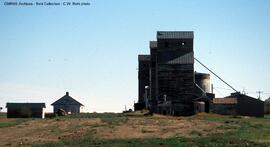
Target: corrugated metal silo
<point>203,81</point>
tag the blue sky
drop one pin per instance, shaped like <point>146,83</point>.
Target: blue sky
<point>91,51</point>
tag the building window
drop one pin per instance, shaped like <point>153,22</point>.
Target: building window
<point>183,43</point>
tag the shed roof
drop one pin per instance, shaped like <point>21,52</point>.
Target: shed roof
<point>31,105</point>
<point>225,101</point>
<point>175,35</point>
<point>240,96</point>
<point>66,99</point>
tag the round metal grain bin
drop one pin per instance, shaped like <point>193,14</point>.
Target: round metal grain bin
<point>203,81</point>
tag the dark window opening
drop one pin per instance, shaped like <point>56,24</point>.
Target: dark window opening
<point>166,44</point>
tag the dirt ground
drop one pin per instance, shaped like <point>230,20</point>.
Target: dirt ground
<point>45,130</point>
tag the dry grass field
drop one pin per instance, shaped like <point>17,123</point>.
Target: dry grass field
<point>135,129</point>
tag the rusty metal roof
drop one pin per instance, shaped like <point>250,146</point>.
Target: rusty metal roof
<point>175,35</point>
<point>225,101</point>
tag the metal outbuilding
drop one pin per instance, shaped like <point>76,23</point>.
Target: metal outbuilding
<point>238,104</point>
<point>25,110</point>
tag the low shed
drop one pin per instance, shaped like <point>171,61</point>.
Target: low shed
<point>25,110</point>
<point>238,104</point>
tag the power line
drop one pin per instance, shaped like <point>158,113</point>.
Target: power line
<point>223,88</point>
<point>215,74</point>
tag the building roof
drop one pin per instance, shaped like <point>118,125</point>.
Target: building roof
<point>144,57</point>
<point>240,96</point>
<point>31,105</point>
<point>66,99</point>
<point>225,101</point>
<point>153,44</point>
<point>175,35</point>
<point>202,75</point>
<point>185,59</point>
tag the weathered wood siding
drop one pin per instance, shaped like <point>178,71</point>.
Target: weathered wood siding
<point>68,108</point>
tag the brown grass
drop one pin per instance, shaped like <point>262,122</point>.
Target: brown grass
<point>157,126</point>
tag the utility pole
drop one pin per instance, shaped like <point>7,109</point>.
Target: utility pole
<point>259,92</point>
<point>244,92</point>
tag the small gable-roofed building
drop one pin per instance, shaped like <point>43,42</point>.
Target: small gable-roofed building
<point>25,110</point>
<point>67,103</point>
